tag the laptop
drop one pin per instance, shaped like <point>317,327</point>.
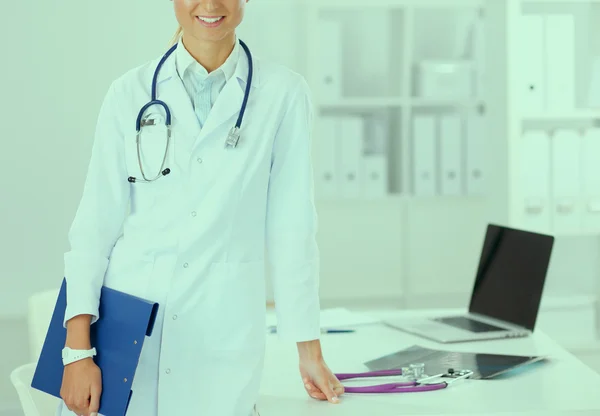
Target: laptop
<point>506,295</point>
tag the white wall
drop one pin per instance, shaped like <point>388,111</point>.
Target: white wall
<point>63,55</point>
<point>58,59</point>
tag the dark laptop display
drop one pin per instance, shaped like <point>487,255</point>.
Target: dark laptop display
<point>511,275</point>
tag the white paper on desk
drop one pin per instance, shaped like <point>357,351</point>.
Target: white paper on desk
<point>335,318</point>
<point>342,317</point>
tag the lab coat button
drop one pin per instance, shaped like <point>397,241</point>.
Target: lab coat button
<point>199,160</point>
<point>168,371</point>
<point>185,265</point>
<point>193,213</point>
<point>174,317</point>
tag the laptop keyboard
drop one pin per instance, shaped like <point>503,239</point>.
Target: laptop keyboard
<point>469,324</point>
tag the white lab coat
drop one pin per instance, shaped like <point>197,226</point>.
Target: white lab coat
<point>194,241</point>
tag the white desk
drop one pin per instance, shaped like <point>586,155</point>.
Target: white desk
<point>561,386</point>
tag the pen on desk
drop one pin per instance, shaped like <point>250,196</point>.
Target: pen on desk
<point>273,330</point>
<point>336,331</point>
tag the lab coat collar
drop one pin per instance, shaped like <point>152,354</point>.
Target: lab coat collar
<point>241,71</point>
<point>241,68</point>
<point>225,110</point>
<point>229,102</point>
<point>186,62</point>
<point>171,90</point>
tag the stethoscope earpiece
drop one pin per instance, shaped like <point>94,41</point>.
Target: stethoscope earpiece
<point>133,179</point>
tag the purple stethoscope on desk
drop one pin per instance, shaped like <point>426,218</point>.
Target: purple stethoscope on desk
<point>418,381</point>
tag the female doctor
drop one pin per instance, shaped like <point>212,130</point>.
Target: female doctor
<point>189,230</point>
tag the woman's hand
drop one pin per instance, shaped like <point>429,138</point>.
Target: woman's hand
<point>320,383</point>
<point>82,387</point>
<point>82,380</point>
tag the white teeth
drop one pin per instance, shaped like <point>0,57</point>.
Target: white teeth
<point>210,20</point>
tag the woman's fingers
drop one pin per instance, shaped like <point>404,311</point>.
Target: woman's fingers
<point>338,387</point>
<point>324,391</point>
<point>339,390</point>
<point>96,391</point>
<point>323,388</point>
<point>314,391</point>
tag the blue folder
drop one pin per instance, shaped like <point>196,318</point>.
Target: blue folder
<point>118,337</point>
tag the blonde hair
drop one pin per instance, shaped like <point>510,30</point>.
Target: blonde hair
<point>177,35</point>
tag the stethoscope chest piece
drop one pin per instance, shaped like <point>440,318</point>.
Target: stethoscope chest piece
<point>233,137</point>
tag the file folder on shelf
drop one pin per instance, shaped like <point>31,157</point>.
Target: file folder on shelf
<point>594,90</point>
<point>374,158</point>
<point>425,155</point>
<point>476,155</point>
<point>535,166</point>
<point>532,84</point>
<point>325,158</point>
<point>590,172</point>
<point>350,142</point>
<point>560,62</point>
<point>331,60</point>
<point>450,146</point>
<point>118,337</point>
<point>566,180</point>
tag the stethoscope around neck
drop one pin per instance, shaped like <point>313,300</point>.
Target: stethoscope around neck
<point>233,137</point>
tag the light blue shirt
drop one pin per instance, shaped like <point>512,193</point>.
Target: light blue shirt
<point>204,88</point>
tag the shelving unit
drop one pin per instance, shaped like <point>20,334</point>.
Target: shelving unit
<point>379,79</point>
<point>405,248</point>
<point>383,79</point>
<point>539,159</point>
<point>365,104</point>
<point>590,116</point>
<point>550,102</point>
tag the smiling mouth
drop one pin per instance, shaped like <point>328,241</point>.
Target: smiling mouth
<point>210,20</point>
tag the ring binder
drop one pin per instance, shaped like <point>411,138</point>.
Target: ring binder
<point>118,337</point>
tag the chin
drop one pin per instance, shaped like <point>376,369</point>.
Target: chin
<point>212,35</point>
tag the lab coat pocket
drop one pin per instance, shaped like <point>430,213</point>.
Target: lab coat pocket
<point>238,307</point>
<point>148,162</point>
<point>129,272</point>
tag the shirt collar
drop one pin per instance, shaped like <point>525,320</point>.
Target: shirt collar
<point>185,61</point>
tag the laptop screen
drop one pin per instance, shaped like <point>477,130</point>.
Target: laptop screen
<point>511,275</point>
